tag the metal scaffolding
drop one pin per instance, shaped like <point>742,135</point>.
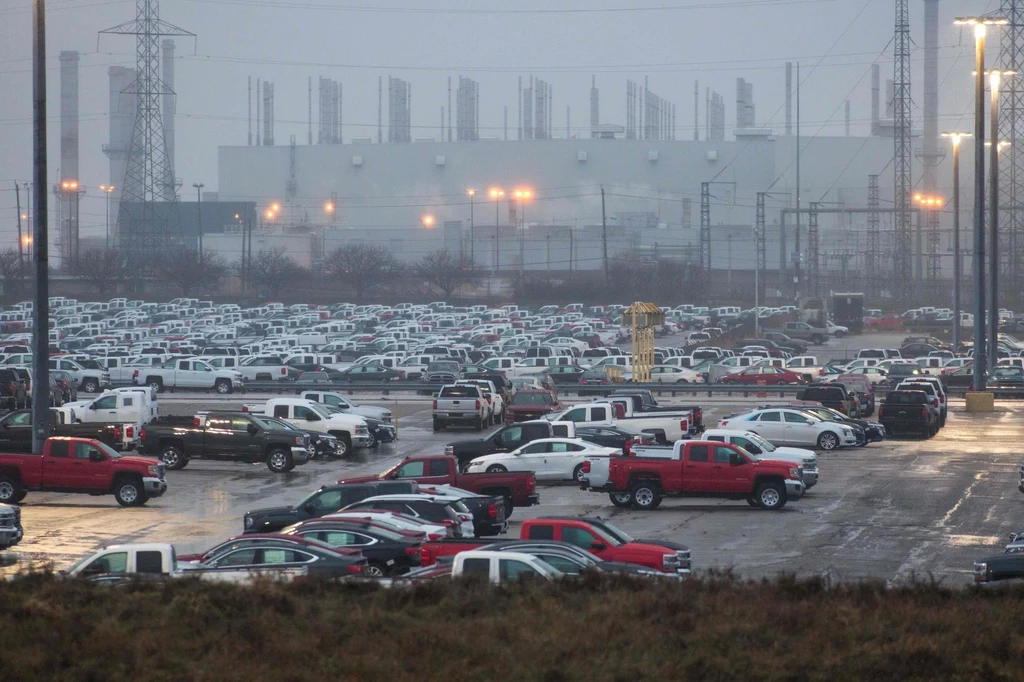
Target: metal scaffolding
<point>872,255</point>
<point>144,231</point>
<point>1011,164</point>
<point>903,253</point>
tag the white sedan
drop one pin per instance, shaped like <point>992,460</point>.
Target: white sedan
<point>551,459</point>
<point>874,375</point>
<point>674,374</point>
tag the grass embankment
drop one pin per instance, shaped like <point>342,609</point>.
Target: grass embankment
<point>592,630</point>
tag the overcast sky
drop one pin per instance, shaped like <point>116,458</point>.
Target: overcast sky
<point>673,42</point>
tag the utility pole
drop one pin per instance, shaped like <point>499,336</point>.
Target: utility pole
<point>604,236</point>
<point>796,244</point>
<point>21,257</point>
<point>199,213</point>
<point>40,307</point>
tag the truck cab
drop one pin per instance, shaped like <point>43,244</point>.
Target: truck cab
<point>502,567</point>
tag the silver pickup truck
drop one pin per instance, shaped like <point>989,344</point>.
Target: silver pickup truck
<point>11,531</point>
<point>460,404</point>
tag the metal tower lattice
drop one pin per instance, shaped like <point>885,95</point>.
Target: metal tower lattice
<point>813,271</point>
<point>1011,159</point>
<point>761,243</point>
<point>872,266</point>
<point>142,229</point>
<point>933,270</point>
<point>705,228</point>
<point>902,280</point>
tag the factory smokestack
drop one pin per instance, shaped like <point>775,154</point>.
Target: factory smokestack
<point>931,94</point>
<point>69,115</point>
<point>595,107</point>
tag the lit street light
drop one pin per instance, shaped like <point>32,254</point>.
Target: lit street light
<point>427,220</point>
<point>522,195</point>
<point>995,76</point>
<point>956,137</point>
<point>496,193</point>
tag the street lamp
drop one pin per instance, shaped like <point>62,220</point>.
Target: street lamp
<point>956,137</point>
<point>428,221</point>
<point>471,193</point>
<point>107,189</point>
<point>522,195</point>
<point>496,193</point>
<point>199,213</point>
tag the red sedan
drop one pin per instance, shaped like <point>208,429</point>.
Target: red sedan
<point>768,376</point>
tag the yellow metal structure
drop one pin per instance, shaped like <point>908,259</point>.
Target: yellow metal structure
<point>642,318</point>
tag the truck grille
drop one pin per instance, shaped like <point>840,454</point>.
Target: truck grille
<point>7,521</point>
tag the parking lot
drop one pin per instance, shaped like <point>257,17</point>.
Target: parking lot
<point>890,510</point>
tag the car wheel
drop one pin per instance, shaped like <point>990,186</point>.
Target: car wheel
<point>9,490</point>
<point>129,493</point>
<point>373,440</point>
<point>173,458</point>
<point>496,469</point>
<point>479,424</point>
<point>280,461</point>
<point>646,496</point>
<point>155,384</point>
<point>438,425</point>
<point>223,386</point>
<point>91,386</point>
<point>577,473</point>
<point>375,569</point>
<point>771,496</point>
<point>828,441</point>
<point>621,499</point>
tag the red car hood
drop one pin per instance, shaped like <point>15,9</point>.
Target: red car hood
<point>140,461</point>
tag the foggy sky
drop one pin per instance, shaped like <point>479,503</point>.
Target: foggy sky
<point>287,41</point>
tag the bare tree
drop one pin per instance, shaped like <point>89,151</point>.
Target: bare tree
<point>448,271</point>
<point>361,267</point>
<point>12,270</point>
<point>104,269</point>
<point>186,271</point>
<point>272,271</point>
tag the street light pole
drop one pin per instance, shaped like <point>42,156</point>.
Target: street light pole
<point>497,194</point>
<point>472,242</point>
<point>957,260</point>
<point>980,366</point>
<point>757,283</point>
<point>993,312</point>
<point>199,213</point>
<point>107,189</point>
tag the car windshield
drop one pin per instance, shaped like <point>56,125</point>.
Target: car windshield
<point>107,450</point>
<point>532,399</point>
<point>614,533</point>
<point>760,442</point>
<point>320,409</point>
<point>274,424</point>
<point>443,367</point>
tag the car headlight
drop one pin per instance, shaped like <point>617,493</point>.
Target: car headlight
<point>299,440</point>
<point>794,474</point>
<point>248,522</point>
<point>449,450</point>
<point>154,471</point>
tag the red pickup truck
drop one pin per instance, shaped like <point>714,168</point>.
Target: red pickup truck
<point>81,465</point>
<point>704,469</point>
<point>598,537</point>
<point>518,488</point>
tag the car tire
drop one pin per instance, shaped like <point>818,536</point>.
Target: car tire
<point>496,469</point>
<point>344,445</point>
<point>771,496</point>
<point>828,441</point>
<point>373,440</point>
<point>91,386</point>
<point>129,492</point>
<point>173,458</point>
<point>375,569</point>
<point>9,490</point>
<point>223,386</point>
<point>623,500</point>
<point>646,496</point>
<point>155,383</point>
<point>438,425</point>
<point>480,424</point>
<point>280,461</point>
<point>577,473</point>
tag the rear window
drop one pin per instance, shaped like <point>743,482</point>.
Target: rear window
<point>542,533</point>
<point>906,398</point>
<point>826,393</point>
<point>460,392</point>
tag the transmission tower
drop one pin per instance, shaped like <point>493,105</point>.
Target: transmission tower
<point>1011,164</point>
<point>813,271</point>
<point>902,253</point>
<point>142,229</point>
<point>872,256</point>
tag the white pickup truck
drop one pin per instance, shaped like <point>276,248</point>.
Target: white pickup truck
<point>115,563</point>
<point>89,380</point>
<point>502,567</point>
<point>807,366</point>
<point>667,426</point>
<point>188,373</point>
<point>345,405</point>
<point>127,407</point>
<point>460,404</point>
<point>350,429</point>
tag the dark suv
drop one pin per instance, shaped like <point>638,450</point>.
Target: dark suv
<point>13,393</point>
<point>903,411</point>
<point>325,500</point>
<point>835,396</point>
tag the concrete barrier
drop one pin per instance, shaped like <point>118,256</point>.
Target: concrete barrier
<point>978,401</point>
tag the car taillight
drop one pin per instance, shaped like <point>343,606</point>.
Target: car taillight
<point>135,374</point>
<point>245,408</point>
<point>465,517</point>
<point>142,434</point>
<point>130,432</point>
<point>447,522</point>
<point>434,537</point>
<point>435,404</point>
<point>492,511</point>
<point>935,402</point>
<point>195,422</point>
<point>924,412</point>
<point>413,553</point>
<point>586,467</point>
<point>357,568</point>
<point>284,371</point>
<point>117,433</point>
<point>477,403</point>
<point>531,482</point>
<point>424,556</point>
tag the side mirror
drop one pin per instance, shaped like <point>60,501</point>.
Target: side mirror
<point>598,546</point>
<point>93,406</point>
<point>96,456</point>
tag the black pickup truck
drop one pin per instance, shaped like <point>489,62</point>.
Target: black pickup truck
<point>325,500</point>
<point>237,436</point>
<point>16,431</point>
<point>903,411</point>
